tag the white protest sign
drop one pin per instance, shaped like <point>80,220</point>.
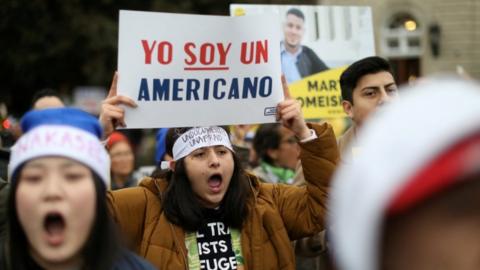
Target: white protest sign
<point>196,70</point>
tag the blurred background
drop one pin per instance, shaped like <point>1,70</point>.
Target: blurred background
<point>69,46</point>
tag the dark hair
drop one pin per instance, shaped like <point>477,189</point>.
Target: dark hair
<point>350,77</point>
<point>180,202</point>
<point>296,12</point>
<point>170,138</point>
<point>267,137</point>
<point>47,92</point>
<point>100,250</point>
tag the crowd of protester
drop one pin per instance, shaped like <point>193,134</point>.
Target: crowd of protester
<point>397,190</point>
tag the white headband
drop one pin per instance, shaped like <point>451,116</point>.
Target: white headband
<point>199,137</point>
<point>65,141</point>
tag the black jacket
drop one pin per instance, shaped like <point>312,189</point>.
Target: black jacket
<point>126,261</point>
<point>308,63</point>
<point>3,207</point>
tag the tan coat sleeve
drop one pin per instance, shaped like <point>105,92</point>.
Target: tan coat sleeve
<point>128,209</point>
<point>303,209</point>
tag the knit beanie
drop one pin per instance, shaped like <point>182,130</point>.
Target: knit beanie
<point>64,132</point>
<point>115,138</point>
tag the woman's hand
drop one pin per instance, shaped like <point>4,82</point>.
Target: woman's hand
<point>111,114</point>
<point>289,113</point>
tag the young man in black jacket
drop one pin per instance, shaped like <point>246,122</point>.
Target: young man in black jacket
<point>298,60</point>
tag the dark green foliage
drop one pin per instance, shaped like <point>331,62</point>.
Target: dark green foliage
<point>61,44</point>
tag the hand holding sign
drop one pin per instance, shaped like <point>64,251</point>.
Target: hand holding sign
<point>112,115</point>
<point>223,68</point>
<point>289,113</point>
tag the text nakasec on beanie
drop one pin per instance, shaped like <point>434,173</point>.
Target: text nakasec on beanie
<point>65,132</point>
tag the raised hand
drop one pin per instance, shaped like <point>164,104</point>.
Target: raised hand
<point>111,114</point>
<point>289,113</point>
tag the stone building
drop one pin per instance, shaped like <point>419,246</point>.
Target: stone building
<point>425,37</point>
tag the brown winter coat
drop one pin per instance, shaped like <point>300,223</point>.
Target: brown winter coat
<point>278,213</point>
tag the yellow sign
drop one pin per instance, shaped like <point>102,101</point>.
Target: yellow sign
<point>239,11</point>
<point>320,94</point>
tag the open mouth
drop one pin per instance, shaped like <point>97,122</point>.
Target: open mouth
<point>54,225</point>
<point>215,181</point>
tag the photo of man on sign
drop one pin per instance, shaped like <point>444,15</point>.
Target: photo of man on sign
<point>298,61</point>
<point>318,43</point>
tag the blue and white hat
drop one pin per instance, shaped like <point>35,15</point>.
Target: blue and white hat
<point>64,132</point>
